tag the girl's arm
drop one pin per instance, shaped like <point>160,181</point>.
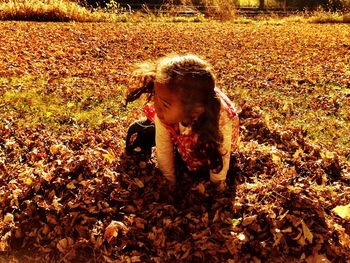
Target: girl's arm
<point>165,151</point>
<point>230,131</point>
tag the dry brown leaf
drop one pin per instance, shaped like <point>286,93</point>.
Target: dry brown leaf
<point>113,229</point>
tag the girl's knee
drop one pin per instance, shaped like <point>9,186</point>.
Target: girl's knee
<point>140,138</point>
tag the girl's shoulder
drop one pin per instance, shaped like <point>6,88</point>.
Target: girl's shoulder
<point>150,112</point>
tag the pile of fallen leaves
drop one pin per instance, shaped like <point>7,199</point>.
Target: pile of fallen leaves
<point>78,198</point>
<point>71,195</point>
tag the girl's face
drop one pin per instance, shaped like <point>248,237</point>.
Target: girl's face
<point>167,105</point>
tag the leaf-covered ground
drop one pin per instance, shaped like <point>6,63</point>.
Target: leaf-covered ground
<point>69,194</point>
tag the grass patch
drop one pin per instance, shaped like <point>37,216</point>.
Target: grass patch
<point>323,111</point>
<point>328,17</point>
<point>29,101</point>
<point>65,11</point>
<point>315,18</point>
<point>53,10</point>
<point>164,17</point>
<point>255,3</point>
<point>32,103</point>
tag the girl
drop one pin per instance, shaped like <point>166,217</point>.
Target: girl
<point>189,116</point>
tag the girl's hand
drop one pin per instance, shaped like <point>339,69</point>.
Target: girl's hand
<point>171,186</point>
<point>220,186</point>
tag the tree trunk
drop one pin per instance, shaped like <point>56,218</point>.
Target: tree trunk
<point>261,4</point>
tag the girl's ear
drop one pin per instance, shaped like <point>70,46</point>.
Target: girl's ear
<point>196,112</point>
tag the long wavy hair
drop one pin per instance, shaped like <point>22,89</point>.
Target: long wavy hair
<point>192,78</point>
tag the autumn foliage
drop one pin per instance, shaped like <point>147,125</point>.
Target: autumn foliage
<point>68,193</point>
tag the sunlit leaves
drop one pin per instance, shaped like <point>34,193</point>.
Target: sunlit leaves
<point>113,229</point>
<point>343,211</point>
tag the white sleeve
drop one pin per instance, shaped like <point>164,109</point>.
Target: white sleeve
<point>226,131</point>
<point>165,151</point>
